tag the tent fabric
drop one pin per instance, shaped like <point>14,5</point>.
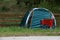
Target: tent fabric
<point>33,18</point>
<point>38,16</point>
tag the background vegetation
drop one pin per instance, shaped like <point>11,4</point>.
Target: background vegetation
<point>12,5</point>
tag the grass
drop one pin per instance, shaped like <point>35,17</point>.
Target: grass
<point>18,31</point>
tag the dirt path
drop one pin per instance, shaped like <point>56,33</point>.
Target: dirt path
<point>31,38</point>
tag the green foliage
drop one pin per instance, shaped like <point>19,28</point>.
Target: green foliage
<point>57,2</point>
<point>5,5</point>
<point>4,9</point>
<point>12,4</point>
<point>51,6</point>
<point>9,3</point>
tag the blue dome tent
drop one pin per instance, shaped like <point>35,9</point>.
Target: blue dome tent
<point>33,18</point>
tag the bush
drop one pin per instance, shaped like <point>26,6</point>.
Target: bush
<point>51,6</point>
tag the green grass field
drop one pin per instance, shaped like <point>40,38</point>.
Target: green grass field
<point>18,31</point>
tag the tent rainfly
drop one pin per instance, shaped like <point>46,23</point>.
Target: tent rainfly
<point>38,18</point>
